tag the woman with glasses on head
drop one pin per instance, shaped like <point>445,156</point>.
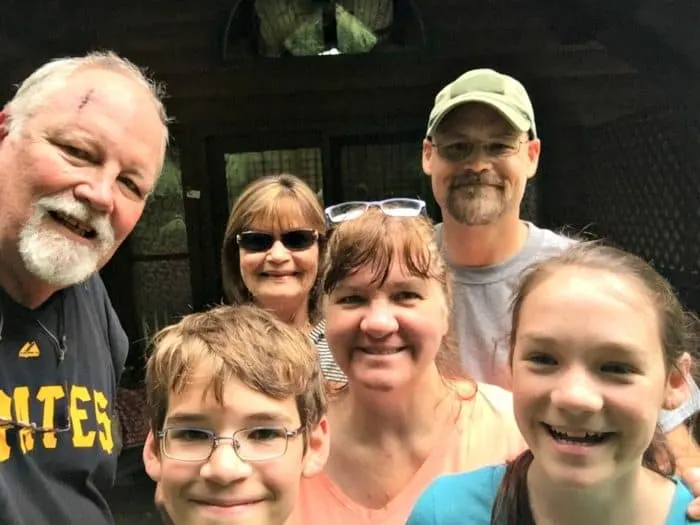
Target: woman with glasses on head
<point>270,257</point>
<point>407,414</point>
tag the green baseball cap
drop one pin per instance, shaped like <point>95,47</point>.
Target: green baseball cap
<point>503,93</point>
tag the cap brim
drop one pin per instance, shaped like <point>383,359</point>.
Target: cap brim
<point>512,115</point>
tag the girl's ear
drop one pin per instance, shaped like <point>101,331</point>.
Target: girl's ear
<point>677,386</point>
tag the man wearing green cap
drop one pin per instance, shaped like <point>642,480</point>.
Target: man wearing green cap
<point>481,148</point>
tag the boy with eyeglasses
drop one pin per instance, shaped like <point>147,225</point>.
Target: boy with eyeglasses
<point>237,409</point>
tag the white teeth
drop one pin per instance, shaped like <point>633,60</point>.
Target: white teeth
<point>576,434</point>
<point>82,230</point>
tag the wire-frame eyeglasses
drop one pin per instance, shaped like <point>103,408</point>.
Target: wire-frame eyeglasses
<point>463,151</point>
<point>396,207</point>
<point>250,444</point>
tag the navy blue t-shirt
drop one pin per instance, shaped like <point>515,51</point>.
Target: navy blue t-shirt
<point>59,478</point>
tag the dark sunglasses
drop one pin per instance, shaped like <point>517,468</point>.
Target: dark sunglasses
<point>294,240</point>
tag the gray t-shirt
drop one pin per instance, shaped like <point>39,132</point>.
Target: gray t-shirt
<point>482,315</point>
<point>481,309</point>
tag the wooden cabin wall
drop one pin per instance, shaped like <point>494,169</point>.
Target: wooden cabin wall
<point>180,41</point>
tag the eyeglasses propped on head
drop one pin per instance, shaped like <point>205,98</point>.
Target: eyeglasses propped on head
<point>397,207</point>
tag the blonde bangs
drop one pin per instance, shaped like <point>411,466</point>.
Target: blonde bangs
<point>282,213</point>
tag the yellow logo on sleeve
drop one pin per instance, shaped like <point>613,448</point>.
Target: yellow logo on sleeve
<point>29,349</point>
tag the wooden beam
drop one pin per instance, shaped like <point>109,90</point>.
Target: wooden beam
<point>585,100</point>
<point>305,110</point>
<point>336,75</point>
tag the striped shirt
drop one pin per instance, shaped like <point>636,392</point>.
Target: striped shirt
<point>331,370</point>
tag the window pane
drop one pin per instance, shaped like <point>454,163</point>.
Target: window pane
<point>241,168</point>
<point>162,229</point>
<point>162,293</point>
<point>380,171</point>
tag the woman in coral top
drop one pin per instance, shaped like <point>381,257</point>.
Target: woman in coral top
<point>406,414</point>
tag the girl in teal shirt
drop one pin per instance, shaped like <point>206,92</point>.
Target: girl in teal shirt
<point>597,335</point>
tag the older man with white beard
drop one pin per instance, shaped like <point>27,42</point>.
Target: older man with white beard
<point>81,146</point>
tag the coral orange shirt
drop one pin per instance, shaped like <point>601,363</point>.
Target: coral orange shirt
<point>484,433</point>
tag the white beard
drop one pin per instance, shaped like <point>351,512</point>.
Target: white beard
<point>56,258</point>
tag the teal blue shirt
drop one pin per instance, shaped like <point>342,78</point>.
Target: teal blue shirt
<point>468,498</point>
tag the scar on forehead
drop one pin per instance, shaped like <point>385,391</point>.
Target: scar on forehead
<point>86,98</point>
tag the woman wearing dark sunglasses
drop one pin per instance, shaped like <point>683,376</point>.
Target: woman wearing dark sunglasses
<point>272,246</point>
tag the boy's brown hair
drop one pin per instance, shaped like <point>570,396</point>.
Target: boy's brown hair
<point>245,343</point>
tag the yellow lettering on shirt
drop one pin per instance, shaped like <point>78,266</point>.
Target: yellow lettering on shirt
<point>6,412</point>
<point>87,410</point>
<point>48,395</point>
<point>102,416</point>
<point>20,398</point>
<point>81,439</point>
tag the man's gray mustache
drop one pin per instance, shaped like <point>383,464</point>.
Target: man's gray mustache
<point>473,180</point>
